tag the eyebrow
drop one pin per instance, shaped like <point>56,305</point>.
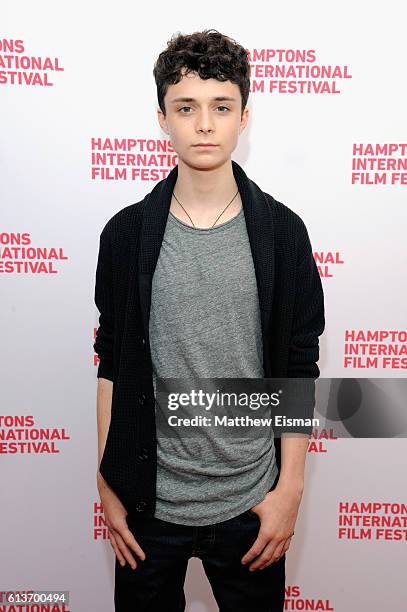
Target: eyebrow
<point>216,98</point>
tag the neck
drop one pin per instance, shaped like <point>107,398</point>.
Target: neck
<point>205,190</point>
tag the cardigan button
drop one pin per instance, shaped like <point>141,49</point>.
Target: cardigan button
<point>140,505</point>
<point>143,454</point>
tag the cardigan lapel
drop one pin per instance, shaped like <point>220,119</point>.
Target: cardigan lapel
<point>259,226</point>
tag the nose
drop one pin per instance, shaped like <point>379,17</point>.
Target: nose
<point>204,122</point>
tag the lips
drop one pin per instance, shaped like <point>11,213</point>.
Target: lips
<point>205,145</point>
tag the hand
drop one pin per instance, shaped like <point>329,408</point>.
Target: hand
<point>120,536</point>
<point>278,514</point>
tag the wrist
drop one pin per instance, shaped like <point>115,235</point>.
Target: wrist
<point>293,486</point>
<point>100,481</point>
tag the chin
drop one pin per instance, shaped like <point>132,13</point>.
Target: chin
<point>202,162</point>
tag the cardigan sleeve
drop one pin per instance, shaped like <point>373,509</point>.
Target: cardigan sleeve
<point>103,344</point>
<point>309,313</point>
<point>307,325</point>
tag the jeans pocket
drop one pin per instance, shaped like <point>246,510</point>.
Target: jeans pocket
<point>251,513</point>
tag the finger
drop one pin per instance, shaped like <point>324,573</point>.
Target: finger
<point>121,544</point>
<point>279,551</point>
<point>287,546</point>
<point>118,554</point>
<point>276,557</point>
<point>270,562</point>
<point>281,554</point>
<point>257,547</point>
<point>268,554</point>
<point>132,543</point>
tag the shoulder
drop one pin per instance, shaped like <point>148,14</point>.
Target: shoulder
<point>283,213</point>
<point>124,222</point>
<point>286,220</point>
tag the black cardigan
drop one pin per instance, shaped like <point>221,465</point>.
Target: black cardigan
<point>291,305</point>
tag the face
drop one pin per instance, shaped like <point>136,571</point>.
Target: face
<point>194,116</point>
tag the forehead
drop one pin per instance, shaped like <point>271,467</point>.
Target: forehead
<point>191,85</point>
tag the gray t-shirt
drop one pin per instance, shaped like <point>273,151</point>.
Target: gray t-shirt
<point>205,322</point>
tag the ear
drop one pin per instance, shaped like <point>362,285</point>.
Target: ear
<point>162,120</point>
<point>244,120</point>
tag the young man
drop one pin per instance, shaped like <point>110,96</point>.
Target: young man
<point>207,276</point>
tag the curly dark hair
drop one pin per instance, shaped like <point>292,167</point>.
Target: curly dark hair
<point>208,53</point>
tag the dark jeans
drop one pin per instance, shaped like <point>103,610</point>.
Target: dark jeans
<point>157,584</point>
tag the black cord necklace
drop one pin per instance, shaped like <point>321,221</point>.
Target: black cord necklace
<point>219,215</point>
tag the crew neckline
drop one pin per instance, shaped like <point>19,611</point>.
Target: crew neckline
<point>205,230</point>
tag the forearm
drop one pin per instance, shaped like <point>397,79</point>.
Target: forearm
<point>293,455</point>
<point>104,409</point>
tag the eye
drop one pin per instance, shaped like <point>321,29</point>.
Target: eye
<point>188,107</point>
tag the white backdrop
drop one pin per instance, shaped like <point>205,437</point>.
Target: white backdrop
<point>94,84</point>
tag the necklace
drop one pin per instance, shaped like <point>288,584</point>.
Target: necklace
<point>219,215</point>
